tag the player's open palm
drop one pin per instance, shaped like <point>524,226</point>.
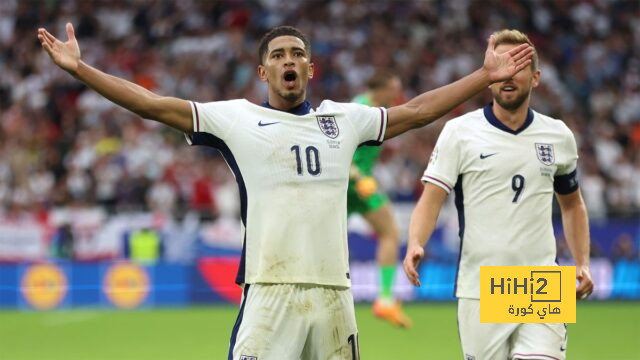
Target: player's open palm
<point>504,65</point>
<point>64,54</point>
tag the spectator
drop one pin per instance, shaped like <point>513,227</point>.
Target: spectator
<point>61,144</point>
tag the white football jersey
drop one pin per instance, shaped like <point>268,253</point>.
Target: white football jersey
<point>504,182</point>
<point>292,170</point>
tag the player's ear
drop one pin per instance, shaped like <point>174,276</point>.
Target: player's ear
<point>262,72</point>
<point>536,78</point>
<point>310,70</point>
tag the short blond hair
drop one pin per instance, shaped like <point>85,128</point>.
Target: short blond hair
<point>515,37</point>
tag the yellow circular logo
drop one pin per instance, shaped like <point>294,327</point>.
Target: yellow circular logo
<point>44,286</point>
<point>126,285</point>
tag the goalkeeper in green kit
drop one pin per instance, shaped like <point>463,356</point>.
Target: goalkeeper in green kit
<point>363,197</point>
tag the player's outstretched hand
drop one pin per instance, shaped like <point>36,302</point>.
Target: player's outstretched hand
<point>503,66</point>
<point>585,285</point>
<point>411,261</point>
<point>64,54</point>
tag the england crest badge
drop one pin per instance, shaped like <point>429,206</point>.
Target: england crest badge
<point>328,125</point>
<point>545,153</point>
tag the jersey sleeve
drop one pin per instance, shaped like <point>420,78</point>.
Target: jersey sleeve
<point>369,122</point>
<point>444,164</point>
<point>565,180</point>
<point>215,118</point>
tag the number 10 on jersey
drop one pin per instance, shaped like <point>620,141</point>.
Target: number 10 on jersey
<point>312,160</point>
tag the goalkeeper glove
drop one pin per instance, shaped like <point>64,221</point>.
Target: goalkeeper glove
<point>366,186</point>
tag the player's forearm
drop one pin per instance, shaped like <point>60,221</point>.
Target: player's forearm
<point>432,105</point>
<point>423,223</point>
<point>576,230</point>
<point>130,96</point>
<point>425,214</point>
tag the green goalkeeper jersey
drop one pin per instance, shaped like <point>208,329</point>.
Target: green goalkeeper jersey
<point>365,156</point>
<point>364,159</point>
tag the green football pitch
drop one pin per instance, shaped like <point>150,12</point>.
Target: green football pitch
<point>606,330</point>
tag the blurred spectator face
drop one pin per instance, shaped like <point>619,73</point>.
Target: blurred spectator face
<point>287,68</point>
<point>512,93</point>
<point>387,95</point>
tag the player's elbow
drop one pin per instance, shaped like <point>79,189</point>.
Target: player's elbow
<point>420,115</point>
<point>572,202</point>
<point>144,108</point>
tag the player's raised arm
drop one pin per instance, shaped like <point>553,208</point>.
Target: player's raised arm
<point>575,224</point>
<point>430,106</point>
<point>423,222</point>
<point>168,110</point>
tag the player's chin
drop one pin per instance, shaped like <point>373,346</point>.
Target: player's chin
<point>292,95</point>
<point>510,102</point>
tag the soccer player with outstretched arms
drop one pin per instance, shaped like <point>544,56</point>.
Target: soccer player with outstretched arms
<point>291,162</point>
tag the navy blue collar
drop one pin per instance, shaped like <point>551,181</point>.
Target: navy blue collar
<point>302,109</point>
<point>493,120</point>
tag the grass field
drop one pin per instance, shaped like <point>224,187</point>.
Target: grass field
<point>604,331</point>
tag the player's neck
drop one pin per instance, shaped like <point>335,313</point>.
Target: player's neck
<point>513,119</point>
<point>280,103</point>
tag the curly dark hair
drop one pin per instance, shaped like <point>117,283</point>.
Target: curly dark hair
<point>281,31</point>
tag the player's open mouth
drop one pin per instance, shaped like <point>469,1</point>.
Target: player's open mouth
<point>289,78</point>
<point>508,88</point>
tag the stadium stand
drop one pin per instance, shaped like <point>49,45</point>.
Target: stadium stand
<point>61,145</point>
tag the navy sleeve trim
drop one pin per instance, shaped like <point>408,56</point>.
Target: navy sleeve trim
<point>437,182</point>
<point>195,108</point>
<point>566,184</point>
<point>370,143</point>
<point>379,139</point>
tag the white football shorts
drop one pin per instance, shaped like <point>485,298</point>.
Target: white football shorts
<point>295,322</point>
<point>507,341</point>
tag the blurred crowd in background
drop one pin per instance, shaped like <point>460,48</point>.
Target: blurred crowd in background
<point>63,145</point>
